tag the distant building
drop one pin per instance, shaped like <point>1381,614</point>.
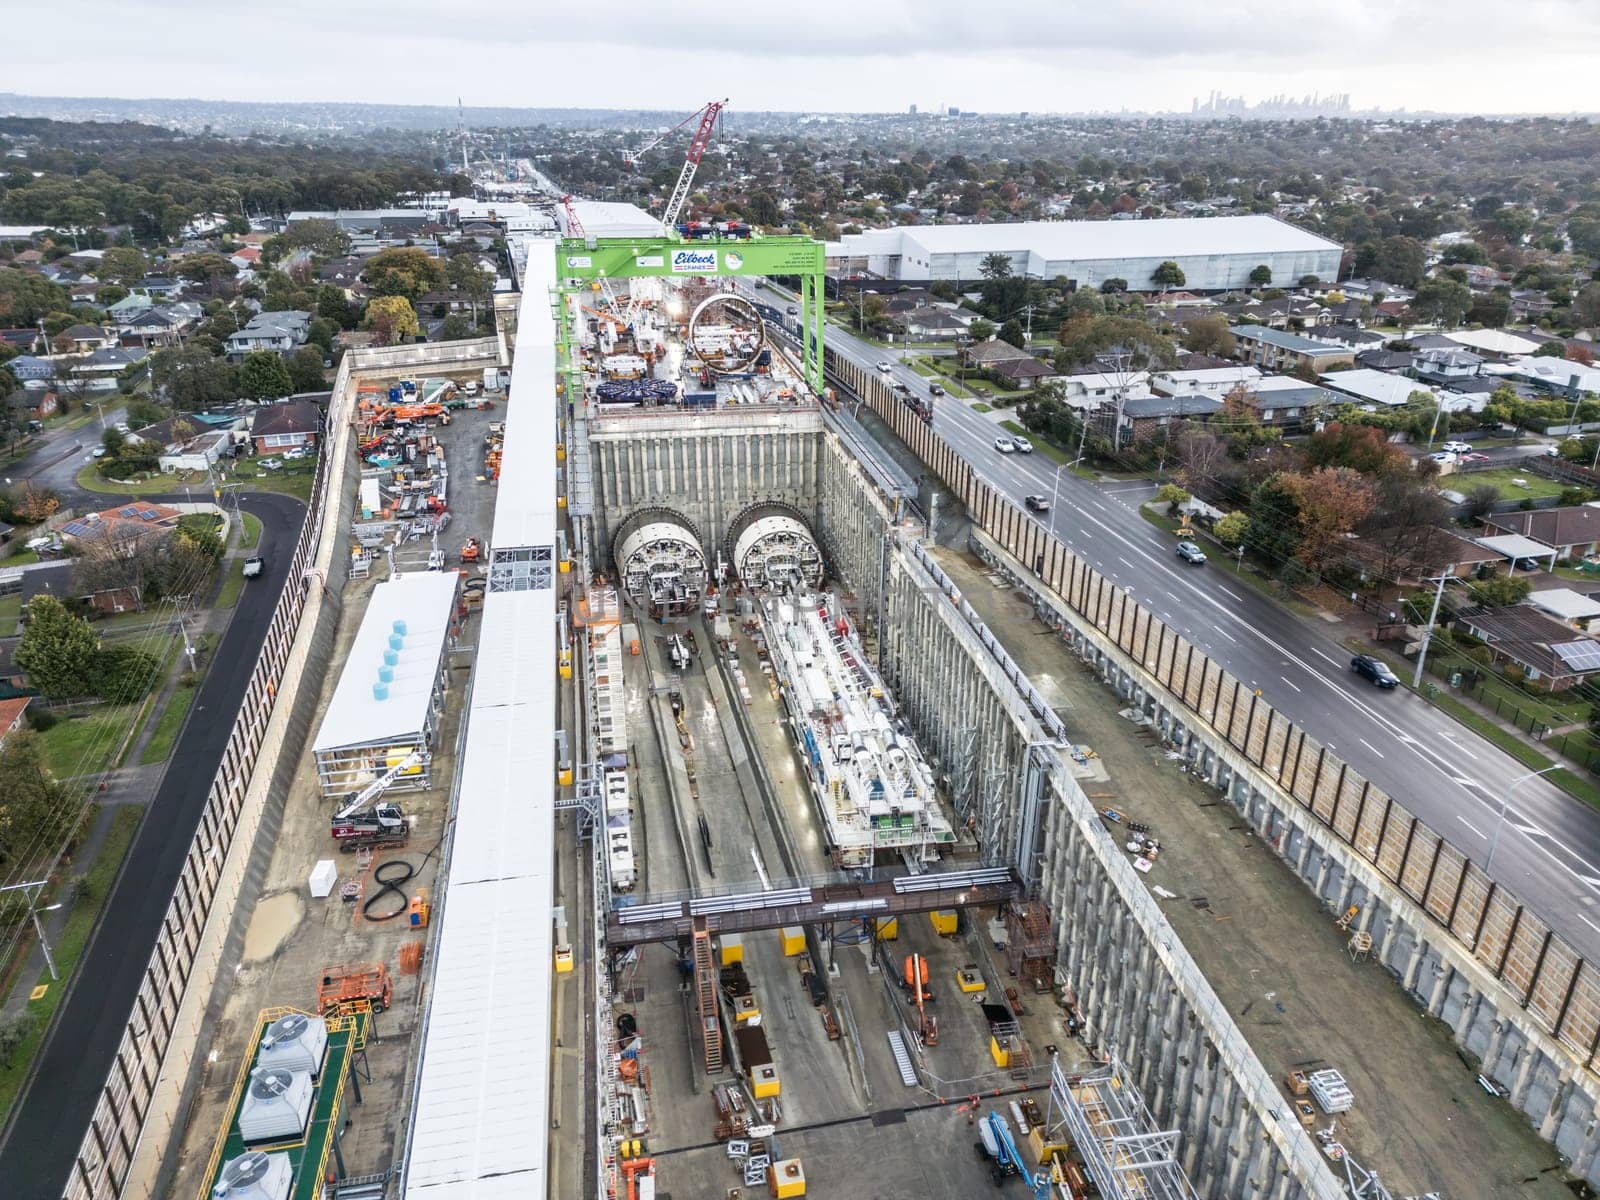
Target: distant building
<point>1214,253</point>
<point>1275,350</point>
<point>280,331</point>
<point>280,427</point>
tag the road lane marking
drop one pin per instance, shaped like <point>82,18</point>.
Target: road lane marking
<point>1290,682</point>
<point>1231,592</point>
<point>1470,825</point>
<point>1371,747</point>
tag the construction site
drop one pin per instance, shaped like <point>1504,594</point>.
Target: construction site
<point>680,792</point>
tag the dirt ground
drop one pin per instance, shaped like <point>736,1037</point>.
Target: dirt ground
<point>291,937</point>
<point>1270,950</point>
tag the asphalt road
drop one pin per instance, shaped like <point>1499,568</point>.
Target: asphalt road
<point>54,1110</point>
<point>1549,851</point>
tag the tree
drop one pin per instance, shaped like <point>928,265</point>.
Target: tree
<point>1260,275</point>
<point>305,370</point>
<point>192,378</point>
<point>332,305</point>
<point>393,319</point>
<point>980,330</point>
<point>122,264</point>
<point>1231,528</point>
<point>1084,338</point>
<point>1405,526</point>
<point>1168,274</point>
<point>264,376</point>
<point>1481,500</point>
<point>143,412</point>
<point>57,650</point>
<point>1209,335</point>
<point>25,299</point>
<point>467,277</point>
<point>404,271</point>
<point>1113,285</point>
<point>1363,448</point>
<point>995,266</point>
<point>1586,306</point>
<point>29,503</point>
<point>1331,502</point>
<point>112,439</point>
<point>1274,511</point>
<point>321,237</point>
<point>1012,333</point>
<point>37,811</point>
<point>1501,591</point>
<point>1400,260</point>
<point>208,270</point>
<point>1442,300</point>
<point>1173,497</point>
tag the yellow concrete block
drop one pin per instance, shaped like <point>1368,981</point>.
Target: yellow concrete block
<point>764,1082</point>
<point>793,938</point>
<point>944,921</point>
<point>787,1177</point>
<point>566,566</point>
<point>563,961</point>
<point>968,980</point>
<point>564,777</point>
<point>1000,1054</point>
<point>745,1008</point>
<point>732,949</point>
<point>888,928</point>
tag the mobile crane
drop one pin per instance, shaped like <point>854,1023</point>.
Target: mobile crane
<point>362,824</point>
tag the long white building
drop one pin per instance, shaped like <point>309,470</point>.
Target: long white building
<point>1214,253</point>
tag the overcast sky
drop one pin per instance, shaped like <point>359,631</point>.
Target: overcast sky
<point>987,55</point>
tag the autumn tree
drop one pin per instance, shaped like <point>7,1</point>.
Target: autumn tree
<point>404,271</point>
<point>29,503</point>
<point>1405,529</point>
<point>1362,448</point>
<point>392,319</point>
<point>57,650</point>
<point>1330,502</point>
<point>1231,528</point>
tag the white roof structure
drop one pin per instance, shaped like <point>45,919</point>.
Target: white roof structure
<point>610,218</point>
<point>1493,341</point>
<point>1169,237</point>
<point>1375,387</point>
<point>1514,546</point>
<point>422,600</point>
<point>1566,604</point>
<point>1214,380</point>
<point>481,1112</point>
<point>1554,373</point>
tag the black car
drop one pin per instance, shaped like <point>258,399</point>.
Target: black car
<point>1037,504</point>
<point>1375,669</point>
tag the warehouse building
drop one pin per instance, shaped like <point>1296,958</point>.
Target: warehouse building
<point>391,692</point>
<point>1214,253</point>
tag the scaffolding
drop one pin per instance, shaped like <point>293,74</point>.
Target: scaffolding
<point>1030,945</point>
<point>1103,1115</point>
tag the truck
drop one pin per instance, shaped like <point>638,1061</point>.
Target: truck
<point>491,379</point>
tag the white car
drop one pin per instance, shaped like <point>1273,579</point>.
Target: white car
<point>1443,458</point>
<point>1457,447</point>
<point>293,453</point>
<point>271,464</point>
<point>1005,445</point>
<point>1023,445</point>
<point>885,365</point>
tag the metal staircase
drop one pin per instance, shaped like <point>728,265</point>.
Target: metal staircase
<point>705,988</point>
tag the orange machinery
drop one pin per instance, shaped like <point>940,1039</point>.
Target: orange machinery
<point>344,985</point>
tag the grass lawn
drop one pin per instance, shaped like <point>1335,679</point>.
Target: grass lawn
<point>86,745</point>
<point>10,613</point>
<point>250,530</point>
<point>295,480</point>
<point>21,558</point>
<point>950,375</point>
<point>68,948</point>
<point>979,406</point>
<point>167,727</point>
<point>232,584</point>
<point>1538,486</point>
<point>921,367</point>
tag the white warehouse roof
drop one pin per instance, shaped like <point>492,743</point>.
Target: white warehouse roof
<point>610,218</point>
<point>1166,237</point>
<point>355,717</point>
<point>1377,387</point>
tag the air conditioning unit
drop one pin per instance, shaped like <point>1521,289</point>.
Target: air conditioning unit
<point>255,1176</point>
<point>294,1043</point>
<point>277,1104</point>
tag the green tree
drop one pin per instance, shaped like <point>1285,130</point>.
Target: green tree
<point>25,298</point>
<point>37,811</point>
<point>1083,339</point>
<point>1442,300</point>
<point>57,650</point>
<point>404,271</point>
<point>1501,591</point>
<point>1173,497</point>
<point>264,376</point>
<point>122,264</point>
<point>333,306</point>
<point>1401,260</point>
<point>981,330</point>
<point>321,237</point>
<point>305,370</point>
<point>112,439</point>
<point>199,530</point>
<point>467,277</point>
<point>1209,335</point>
<point>1168,274</point>
<point>1586,306</point>
<point>1231,528</point>
<point>143,412</point>
<point>1113,285</point>
<point>393,319</point>
<point>1260,275</point>
<point>1012,333</point>
<point>192,378</point>
<point>208,270</point>
<point>995,266</point>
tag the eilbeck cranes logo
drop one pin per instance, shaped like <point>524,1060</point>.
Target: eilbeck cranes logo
<point>694,262</point>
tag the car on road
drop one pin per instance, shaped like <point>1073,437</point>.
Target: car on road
<point>1005,445</point>
<point>935,390</point>
<point>901,386</point>
<point>885,365</point>
<point>1552,451</point>
<point>1190,553</point>
<point>122,427</point>
<point>98,452</point>
<point>1475,456</point>
<point>1444,458</point>
<point>1457,447</point>
<point>253,566</point>
<point>1371,667</point>
<point>1038,504</point>
<point>793,310</point>
<point>1023,445</point>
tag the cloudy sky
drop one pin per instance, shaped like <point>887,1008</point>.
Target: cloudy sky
<point>988,55</point>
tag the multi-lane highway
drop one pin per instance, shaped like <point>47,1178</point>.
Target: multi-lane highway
<point>1549,852</point>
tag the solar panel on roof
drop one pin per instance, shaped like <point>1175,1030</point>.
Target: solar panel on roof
<point>149,514</point>
<point>1580,656</point>
<point>130,511</point>
<point>77,528</point>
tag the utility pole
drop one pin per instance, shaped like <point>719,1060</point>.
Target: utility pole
<point>31,894</point>
<point>1427,637</point>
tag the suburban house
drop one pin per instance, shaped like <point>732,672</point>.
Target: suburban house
<point>1497,344</point>
<point>1275,350</point>
<point>24,340</point>
<point>1214,381</point>
<point>1552,653</point>
<point>1147,418</point>
<point>985,354</point>
<point>198,453</point>
<point>280,427</point>
<point>1446,367</point>
<point>279,331</point>
<point>36,401</point>
<point>245,258</point>
<point>1357,338</point>
<point>1556,376</point>
<point>1093,389</point>
<point>84,339</point>
<point>98,372</point>
<point>930,323</point>
<point>115,533</point>
<point>1284,400</point>
<point>158,287</point>
<point>1374,387</point>
<point>1572,532</point>
<point>1565,604</point>
<point>1021,372</point>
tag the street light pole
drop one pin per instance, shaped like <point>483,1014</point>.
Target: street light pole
<point>31,892</point>
<point>1055,494</point>
<point>1505,802</point>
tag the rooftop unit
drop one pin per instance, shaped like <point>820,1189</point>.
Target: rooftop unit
<point>295,1042</point>
<point>276,1105</point>
<point>255,1176</point>
<point>873,788</point>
